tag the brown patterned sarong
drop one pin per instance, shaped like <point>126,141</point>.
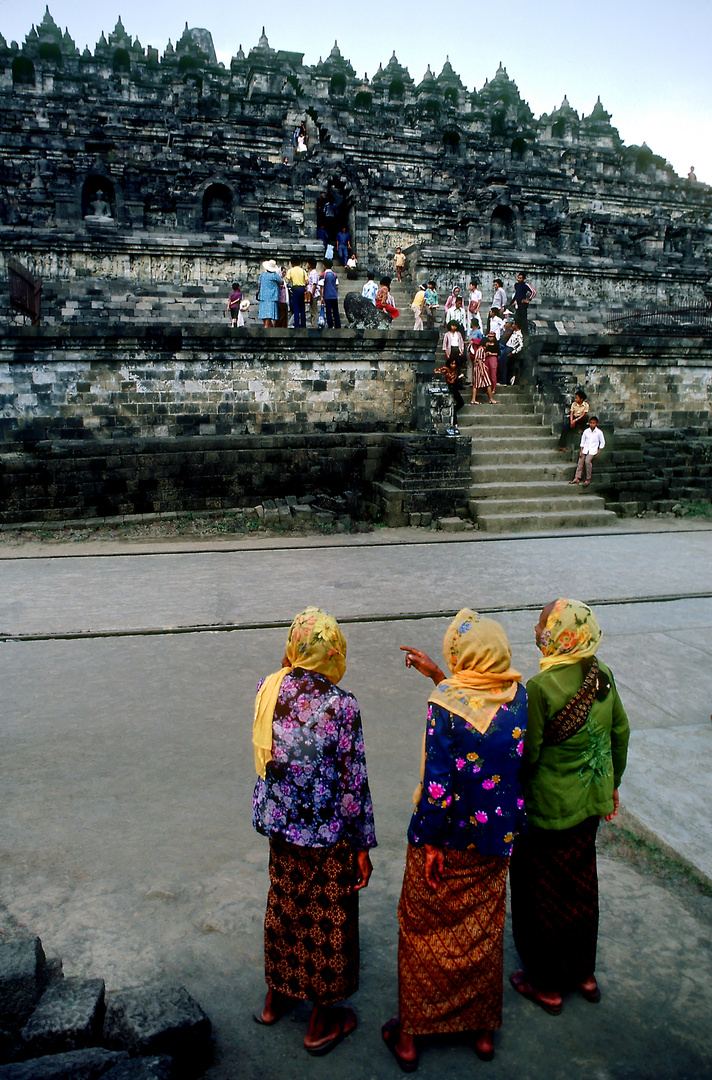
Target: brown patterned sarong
<point>450,944</point>
<point>554,895</point>
<point>311,925</point>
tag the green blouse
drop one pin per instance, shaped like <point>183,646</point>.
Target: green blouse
<point>567,783</point>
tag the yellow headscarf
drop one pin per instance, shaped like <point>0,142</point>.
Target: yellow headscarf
<point>314,643</point>
<point>572,634</point>
<point>477,652</point>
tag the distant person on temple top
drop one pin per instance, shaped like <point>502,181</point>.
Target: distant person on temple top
<point>311,296</point>
<point>576,417</point>
<point>370,288</point>
<point>496,323</point>
<point>492,358</point>
<point>330,295</point>
<point>454,348</point>
<point>300,139</point>
<point>417,307</point>
<point>523,295</point>
<point>283,302</point>
<point>268,287</point>
<point>352,267</point>
<point>499,300</point>
<point>233,305</point>
<point>450,303</point>
<point>477,365</point>
<point>474,301</point>
<point>298,277</point>
<point>691,175</point>
<point>592,442</point>
<point>384,300</point>
<point>431,305</point>
<point>398,262</point>
<point>343,244</point>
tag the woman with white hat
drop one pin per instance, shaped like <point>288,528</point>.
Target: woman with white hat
<point>268,292</point>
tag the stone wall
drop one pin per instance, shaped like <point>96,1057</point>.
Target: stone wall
<point>631,381</point>
<point>158,381</point>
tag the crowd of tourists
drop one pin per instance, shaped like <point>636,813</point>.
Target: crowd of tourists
<point>512,781</point>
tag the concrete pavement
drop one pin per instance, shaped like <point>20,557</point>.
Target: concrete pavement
<point>126,774</point>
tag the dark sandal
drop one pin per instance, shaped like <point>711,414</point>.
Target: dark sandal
<point>594,996</point>
<point>389,1031</point>
<point>519,981</point>
<point>326,1047</point>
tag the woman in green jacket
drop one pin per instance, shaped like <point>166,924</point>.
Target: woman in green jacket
<point>574,756</point>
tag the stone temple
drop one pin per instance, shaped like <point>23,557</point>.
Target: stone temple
<point>137,187</point>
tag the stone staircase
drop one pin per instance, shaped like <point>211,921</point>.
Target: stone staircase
<point>519,478</point>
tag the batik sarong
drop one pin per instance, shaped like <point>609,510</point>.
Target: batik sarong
<point>554,897</point>
<point>450,944</point>
<point>311,925</point>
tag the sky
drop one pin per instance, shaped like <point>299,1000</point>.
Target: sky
<point>649,62</point>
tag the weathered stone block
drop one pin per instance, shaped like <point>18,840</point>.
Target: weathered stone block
<point>23,977</point>
<point>87,1064</point>
<point>451,524</point>
<point>159,1020</point>
<point>69,1017</point>
<point>143,1068</point>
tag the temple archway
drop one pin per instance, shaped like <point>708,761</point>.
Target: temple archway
<point>23,71</point>
<point>217,205</point>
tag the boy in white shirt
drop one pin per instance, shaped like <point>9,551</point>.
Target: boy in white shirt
<point>592,442</point>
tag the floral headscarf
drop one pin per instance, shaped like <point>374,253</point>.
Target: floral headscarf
<point>477,653</point>
<point>314,643</point>
<point>572,634</point>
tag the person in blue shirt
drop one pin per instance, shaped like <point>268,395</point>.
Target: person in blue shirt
<point>330,295</point>
<point>468,810</point>
<point>343,244</point>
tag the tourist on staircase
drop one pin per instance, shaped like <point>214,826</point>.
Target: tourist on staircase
<point>499,300</point>
<point>592,442</point>
<point>480,379</point>
<point>399,262</point>
<point>384,299</point>
<point>417,307</point>
<point>270,281</point>
<point>474,302</point>
<point>454,349</point>
<point>523,295</point>
<point>431,305</point>
<point>492,358</point>
<point>330,295</point>
<point>576,418</point>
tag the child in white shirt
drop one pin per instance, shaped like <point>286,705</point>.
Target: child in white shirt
<point>592,442</point>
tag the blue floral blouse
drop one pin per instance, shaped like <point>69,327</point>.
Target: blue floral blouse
<point>316,790</point>
<point>471,795</point>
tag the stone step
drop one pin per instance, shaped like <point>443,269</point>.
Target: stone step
<point>495,417</point>
<point>536,471</point>
<point>544,490</point>
<point>533,504</point>
<point>522,456</point>
<point>517,439</point>
<point>543,520</point>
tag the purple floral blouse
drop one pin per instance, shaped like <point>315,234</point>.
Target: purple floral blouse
<point>316,790</point>
<point>471,796</point>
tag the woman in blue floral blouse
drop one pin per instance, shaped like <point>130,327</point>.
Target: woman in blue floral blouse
<point>312,800</point>
<point>468,806</point>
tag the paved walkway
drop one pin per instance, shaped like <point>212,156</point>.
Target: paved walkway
<point>126,771</point>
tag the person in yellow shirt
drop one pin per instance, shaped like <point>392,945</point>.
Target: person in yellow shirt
<point>297,278</point>
<point>417,307</point>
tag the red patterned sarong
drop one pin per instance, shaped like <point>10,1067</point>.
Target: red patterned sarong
<point>450,944</point>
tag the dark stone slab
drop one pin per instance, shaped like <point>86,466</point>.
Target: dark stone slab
<point>142,1068</point>
<point>363,315</point>
<point>23,976</point>
<point>87,1064</point>
<point>159,1020</point>
<point>69,1016</point>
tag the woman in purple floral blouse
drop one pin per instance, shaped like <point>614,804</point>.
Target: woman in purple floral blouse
<point>468,807</point>
<point>312,800</point>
